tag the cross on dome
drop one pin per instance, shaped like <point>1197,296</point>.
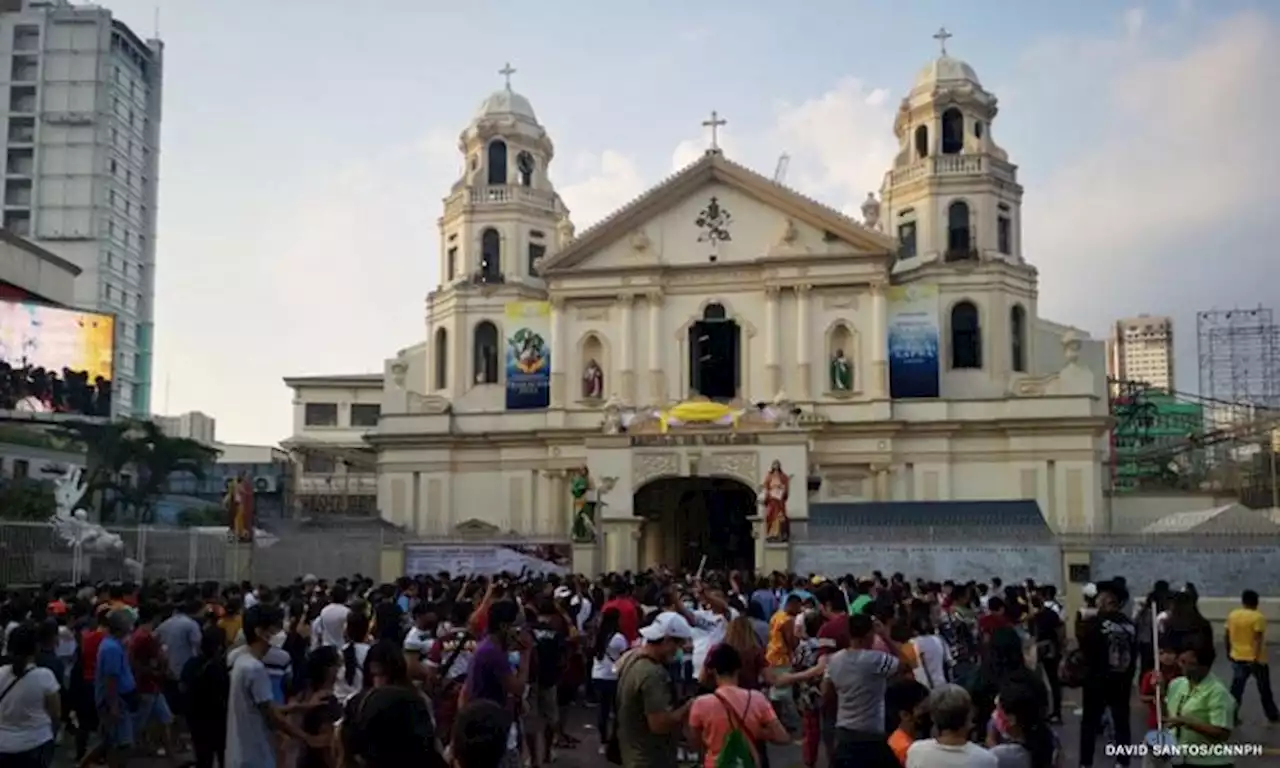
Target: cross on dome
<point>507,71</point>
<point>942,36</point>
<point>714,124</point>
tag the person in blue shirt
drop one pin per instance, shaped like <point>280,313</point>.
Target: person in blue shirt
<point>113,689</point>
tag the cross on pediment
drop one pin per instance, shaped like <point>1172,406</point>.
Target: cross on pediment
<point>714,124</point>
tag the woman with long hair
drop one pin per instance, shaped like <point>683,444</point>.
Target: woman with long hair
<point>608,647</point>
<point>354,653</point>
<point>388,723</point>
<point>30,703</point>
<point>1026,739</point>
<point>741,634</point>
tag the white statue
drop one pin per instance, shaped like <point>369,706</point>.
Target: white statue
<point>73,527</point>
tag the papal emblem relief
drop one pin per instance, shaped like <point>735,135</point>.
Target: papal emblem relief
<point>714,223</point>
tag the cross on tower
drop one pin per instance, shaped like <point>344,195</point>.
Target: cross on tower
<point>507,71</point>
<point>942,36</point>
<point>714,124</point>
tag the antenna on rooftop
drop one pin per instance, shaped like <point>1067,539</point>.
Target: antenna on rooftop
<point>780,172</point>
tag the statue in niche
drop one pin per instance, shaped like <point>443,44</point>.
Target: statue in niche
<point>592,381</point>
<point>774,492</point>
<point>841,372</point>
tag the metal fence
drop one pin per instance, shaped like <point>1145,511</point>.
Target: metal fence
<point>33,553</point>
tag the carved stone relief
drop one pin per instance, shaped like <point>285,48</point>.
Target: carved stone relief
<point>840,301</point>
<point>649,466</point>
<point>846,486</point>
<point>741,466</point>
<point>592,313</point>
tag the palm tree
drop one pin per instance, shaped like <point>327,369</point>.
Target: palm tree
<point>117,450</point>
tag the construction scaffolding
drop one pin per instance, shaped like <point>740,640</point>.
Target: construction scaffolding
<point>1239,356</point>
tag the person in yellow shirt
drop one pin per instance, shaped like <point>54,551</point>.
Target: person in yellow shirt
<point>232,621</point>
<point>777,655</point>
<point>1247,647</point>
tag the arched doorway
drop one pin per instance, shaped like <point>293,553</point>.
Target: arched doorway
<point>688,517</point>
<point>714,352</point>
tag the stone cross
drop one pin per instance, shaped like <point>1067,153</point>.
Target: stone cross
<point>714,124</point>
<point>942,36</point>
<point>507,71</point>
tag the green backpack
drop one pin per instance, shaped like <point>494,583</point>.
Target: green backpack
<point>736,751</point>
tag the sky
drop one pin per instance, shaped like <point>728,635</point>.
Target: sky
<point>307,146</point>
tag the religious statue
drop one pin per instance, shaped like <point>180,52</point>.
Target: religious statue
<point>841,372</point>
<point>592,381</point>
<point>774,492</point>
<point>584,508</point>
<point>238,502</point>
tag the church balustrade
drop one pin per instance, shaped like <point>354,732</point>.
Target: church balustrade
<point>498,195</point>
<point>947,165</point>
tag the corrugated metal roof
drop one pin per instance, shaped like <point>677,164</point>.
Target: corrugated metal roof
<point>1022,514</point>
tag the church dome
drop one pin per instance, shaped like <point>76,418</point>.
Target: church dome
<point>506,102</point>
<point>946,69</point>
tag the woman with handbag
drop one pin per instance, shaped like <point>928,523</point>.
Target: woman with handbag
<point>30,704</point>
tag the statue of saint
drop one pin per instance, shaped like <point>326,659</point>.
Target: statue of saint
<point>584,509</point>
<point>773,496</point>
<point>841,372</point>
<point>238,502</point>
<point>592,381</point>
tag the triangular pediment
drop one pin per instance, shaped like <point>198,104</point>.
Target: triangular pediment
<point>716,211</point>
<point>475,527</point>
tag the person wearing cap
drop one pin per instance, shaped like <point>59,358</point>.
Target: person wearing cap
<point>648,723</point>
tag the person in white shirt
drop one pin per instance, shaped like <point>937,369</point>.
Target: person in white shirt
<point>952,713</point>
<point>354,652</point>
<point>330,626</point>
<point>608,648</point>
<point>30,707</point>
<point>933,654</point>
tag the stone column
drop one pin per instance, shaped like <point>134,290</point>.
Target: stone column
<point>626,356</point>
<point>559,353</point>
<point>878,383</point>
<point>657,379</point>
<point>803,321</point>
<point>772,333</point>
<point>544,509</point>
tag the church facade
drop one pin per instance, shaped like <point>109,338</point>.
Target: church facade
<point>645,387</point>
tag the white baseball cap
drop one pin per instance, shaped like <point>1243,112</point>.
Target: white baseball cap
<point>561,593</point>
<point>1090,590</point>
<point>667,624</point>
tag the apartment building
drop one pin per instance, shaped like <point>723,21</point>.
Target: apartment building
<point>1140,349</point>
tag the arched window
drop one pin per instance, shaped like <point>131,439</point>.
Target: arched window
<point>714,311</point>
<point>497,162</point>
<point>966,336</point>
<point>1018,337</point>
<point>524,169</point>
<point>952,131</point>
<point>959,239</point>
<point>486,353</point>
<point>490,256</point>
<point>442,359</point>
<point>922,141</point>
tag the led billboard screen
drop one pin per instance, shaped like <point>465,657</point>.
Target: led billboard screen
<point>55,360</point>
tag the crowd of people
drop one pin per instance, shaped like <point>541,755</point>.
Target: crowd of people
<point>37,390</point>
<point>681,670</point>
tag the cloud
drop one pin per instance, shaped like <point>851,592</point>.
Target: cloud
<point>604,183</point>
<point>1184,160</point>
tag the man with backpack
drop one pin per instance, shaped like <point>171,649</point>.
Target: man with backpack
<point>729,722</point>
<point>1109,652</point>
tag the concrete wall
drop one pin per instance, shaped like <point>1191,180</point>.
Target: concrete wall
<point>932,561</point>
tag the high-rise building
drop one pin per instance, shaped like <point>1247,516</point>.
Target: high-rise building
<point>1140,349</point>
<point>192,425</point>
<point>81,144</point>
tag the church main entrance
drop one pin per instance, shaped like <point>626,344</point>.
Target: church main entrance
<point>689,517</point>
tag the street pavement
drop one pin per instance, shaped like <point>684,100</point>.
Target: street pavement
<point>1253,729</point>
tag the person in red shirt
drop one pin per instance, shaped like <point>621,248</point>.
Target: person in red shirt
<point>82,688</point>
<point>628,612</point>
<point>1168,670</point>
<point>993,619</point>
<point>146,655</point>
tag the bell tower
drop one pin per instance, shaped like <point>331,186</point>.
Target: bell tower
<point>952,195</point>
<point>501,218</point>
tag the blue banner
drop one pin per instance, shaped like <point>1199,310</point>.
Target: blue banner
<point>528,355</point>
<point>913,341</point>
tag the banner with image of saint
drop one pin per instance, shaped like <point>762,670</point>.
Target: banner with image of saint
<point>913,341</point>
<point>527,357</point>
